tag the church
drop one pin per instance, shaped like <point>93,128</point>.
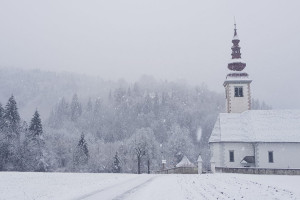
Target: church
<point>241,137</point>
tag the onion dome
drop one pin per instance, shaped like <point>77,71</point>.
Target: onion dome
<point>236,63</point>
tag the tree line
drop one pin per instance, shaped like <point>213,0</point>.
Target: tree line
<point>22,147</point>
<point>135,127</point>
<point>131,130</point>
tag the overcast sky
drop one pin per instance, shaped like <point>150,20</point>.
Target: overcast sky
<point>169,39</point>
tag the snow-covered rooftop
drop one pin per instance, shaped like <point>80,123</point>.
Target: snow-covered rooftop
<point>236,60</point>
<point>185,162</point>
<point>257,126</point>
<point>237,77</point>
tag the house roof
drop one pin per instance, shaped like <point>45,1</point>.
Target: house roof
<point>248,159</point>
<point>185,162</point>
<point>257,126</point>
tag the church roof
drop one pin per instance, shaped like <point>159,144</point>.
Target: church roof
<point>257,126</point>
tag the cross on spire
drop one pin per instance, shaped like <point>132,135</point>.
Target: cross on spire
<point>235,33</point>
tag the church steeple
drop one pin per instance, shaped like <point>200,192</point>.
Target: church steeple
<point>237,83</point>
<point>235,48</point>
<point>235,33</point>
<point>236,63</point>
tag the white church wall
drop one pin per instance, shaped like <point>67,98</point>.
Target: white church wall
<point>220,152</point>
<point>238,104</point>
<point>240,151</point>
<point>285,155</point>
<point>216,153</point>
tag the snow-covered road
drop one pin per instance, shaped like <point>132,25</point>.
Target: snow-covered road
<point>45,186</point>
<point>120,190</point>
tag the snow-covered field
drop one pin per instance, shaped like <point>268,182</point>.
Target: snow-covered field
<point>15,185</point>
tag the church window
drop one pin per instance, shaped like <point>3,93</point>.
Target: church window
<point>270,155</point>
<point>238,92</point>
<point>231,156</point>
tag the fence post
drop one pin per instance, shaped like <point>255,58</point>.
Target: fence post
<point>200,164</point>
<point>212,166</point>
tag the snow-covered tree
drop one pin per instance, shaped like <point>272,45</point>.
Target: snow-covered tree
<point>76,109</point>
<point>97,107</point>
<point>117,164</point>
<point>2,144</point>
<point>35,154</point>
<point>10,137</point>
<point>1,117</point>
<point>60,114</point>
<point>142,144</point>
<point>81,154</point>
<point>35,127</point>
<point>257,105</point>
<point>11,115</point>
<point>179,144</point>
<point>89,106</point>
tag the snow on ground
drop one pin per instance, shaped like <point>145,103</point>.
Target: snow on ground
<point>45,186</point>
<point>17,185</point>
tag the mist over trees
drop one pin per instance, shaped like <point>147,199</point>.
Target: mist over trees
<point>90,125</point>
<point>140,125</point>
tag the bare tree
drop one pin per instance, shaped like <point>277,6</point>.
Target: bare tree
<point>140,151</point>
<point>143,144</point>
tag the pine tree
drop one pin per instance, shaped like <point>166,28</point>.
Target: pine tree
<point>116,164</point>
<point>76,109</point>
<point>89,106</point>
<point>2,142</point>
<point>10,137</point>
<point>81,155</point>
<point>34,146</point>
<point>97,107</point>
<point>1,117</point>
<point>60,114</point>
<point>156,105</point>
<point>11,115</point>
<point>36,125</point>
<point>147,104</point>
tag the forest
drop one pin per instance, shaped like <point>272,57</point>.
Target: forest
<point>84,124</point>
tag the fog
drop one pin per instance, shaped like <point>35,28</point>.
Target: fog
<point>168,39</point>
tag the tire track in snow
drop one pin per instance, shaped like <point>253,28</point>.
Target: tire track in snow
<point>105,189</point>
<point>119,190</point>
<point>133,190</point>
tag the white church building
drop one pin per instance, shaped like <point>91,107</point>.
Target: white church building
<point>242,137</point>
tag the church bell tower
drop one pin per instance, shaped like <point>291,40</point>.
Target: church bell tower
<point>237,83</point>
